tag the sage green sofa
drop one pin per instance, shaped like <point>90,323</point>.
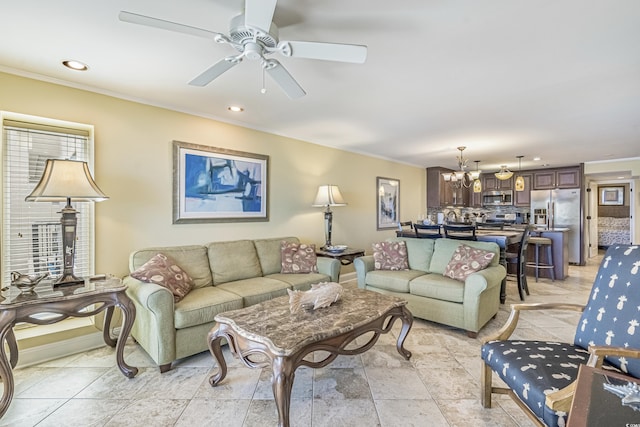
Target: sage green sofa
<point>226,276</point>
<point>431,296</point>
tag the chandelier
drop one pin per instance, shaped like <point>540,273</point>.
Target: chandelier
<point>461,178</point>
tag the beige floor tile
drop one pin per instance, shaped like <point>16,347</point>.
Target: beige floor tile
<point>410,413</point>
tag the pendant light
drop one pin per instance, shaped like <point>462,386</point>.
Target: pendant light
<point>477,185</point>
<point>504,173</point>
<point>519,179</point>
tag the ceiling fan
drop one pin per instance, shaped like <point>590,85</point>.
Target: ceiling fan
<point>255,36</point>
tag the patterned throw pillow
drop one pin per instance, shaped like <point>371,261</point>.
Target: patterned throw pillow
<point>298,258</point>
<point>390,256</point>
<point>467,260</point>
<point>163,271</point>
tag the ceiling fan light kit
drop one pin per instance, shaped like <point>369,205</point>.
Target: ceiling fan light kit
<point>255,36</point>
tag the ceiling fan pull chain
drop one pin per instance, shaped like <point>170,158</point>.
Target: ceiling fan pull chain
<point>264,89</point>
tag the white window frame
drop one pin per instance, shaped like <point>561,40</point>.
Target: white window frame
<point>23,245</point>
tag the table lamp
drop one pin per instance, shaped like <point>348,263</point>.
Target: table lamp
<point>328,195</point>
<point>67,180</point>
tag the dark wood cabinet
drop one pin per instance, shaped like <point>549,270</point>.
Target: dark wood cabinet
<point>523,198</point>
<point>440,193</point>
<point>557,178</point>
<point>491,183</point>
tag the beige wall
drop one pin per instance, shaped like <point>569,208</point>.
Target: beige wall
<point>133,165</point>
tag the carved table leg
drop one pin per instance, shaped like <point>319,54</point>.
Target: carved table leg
<point>7,319</point>
<point>129,314</point>
<point>282,382</point>
<point>106,333</point>
<point>407,322</point>
<point>215,338</point>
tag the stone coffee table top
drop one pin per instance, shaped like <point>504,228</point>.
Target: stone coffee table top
<point>284,333</point>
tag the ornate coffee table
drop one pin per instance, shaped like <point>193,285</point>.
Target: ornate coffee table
<point>282,340</point>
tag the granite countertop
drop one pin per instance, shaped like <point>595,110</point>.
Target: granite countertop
<point>272,324</point>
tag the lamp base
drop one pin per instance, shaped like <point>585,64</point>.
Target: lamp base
<point>67,279</point>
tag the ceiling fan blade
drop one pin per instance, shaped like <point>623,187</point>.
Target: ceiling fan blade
<point>259,13</point>
<point>213,72</point>
<point>326,51</point>
<point>282,77</point>
<point>135,18</point>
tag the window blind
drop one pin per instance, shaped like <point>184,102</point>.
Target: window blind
<point>31,231</point>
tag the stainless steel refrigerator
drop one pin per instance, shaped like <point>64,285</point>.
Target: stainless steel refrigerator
<point>560,208</point>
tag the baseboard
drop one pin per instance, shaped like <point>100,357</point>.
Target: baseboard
<point>35,355</point>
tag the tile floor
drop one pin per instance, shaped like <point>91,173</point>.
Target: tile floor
<point>439,386</point>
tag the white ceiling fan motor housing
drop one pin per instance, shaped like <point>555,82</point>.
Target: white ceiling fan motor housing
<point>241,34</point>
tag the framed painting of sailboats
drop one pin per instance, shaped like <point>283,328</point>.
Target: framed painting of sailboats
<point>213,184</point>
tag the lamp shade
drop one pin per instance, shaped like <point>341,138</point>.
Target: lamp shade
<point>328,195</point>
<point>504,173</point>
<point>66,179</point>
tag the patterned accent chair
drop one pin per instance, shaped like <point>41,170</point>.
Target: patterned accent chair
<point>540,375</point>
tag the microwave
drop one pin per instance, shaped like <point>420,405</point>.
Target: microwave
<point>497,198</point>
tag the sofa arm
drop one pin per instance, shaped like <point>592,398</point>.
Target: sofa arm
<point>154,325</point>
<point>363,265</point>
<point>330,267</point>
<point>479,281</point>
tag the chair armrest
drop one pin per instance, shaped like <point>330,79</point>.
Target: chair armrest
<point>510,326</point>
<point>561,400</point>
<point>599,352</point>
<point>330,267</point>
<point>363,265</point>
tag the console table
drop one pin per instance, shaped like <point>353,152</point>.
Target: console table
<point>345,257</point>
<point>81,300</point>
<point>282,339</point>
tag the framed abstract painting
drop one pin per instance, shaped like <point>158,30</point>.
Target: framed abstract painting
<point>213,184</point>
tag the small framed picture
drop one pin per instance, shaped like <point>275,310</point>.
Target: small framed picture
<point>218,185</point>
<point>611,196</point>
<point>388,203</point>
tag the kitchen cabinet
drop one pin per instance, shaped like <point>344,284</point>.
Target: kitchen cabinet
<point>523,198</point>
<point>440,193</point>
<point>557,178</point>
<point>491,183</point>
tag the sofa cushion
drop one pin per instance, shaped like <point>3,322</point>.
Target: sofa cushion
<point>390,256</point>
<point>201,305</point>
<point>192,259</point>
<point>419,252</point>
<point>256,290</point>
<point>301,282</point>
<point>298,258</point>
<point>164,271</point>
<point>235,260</point>
<point>467,260</point>
<point>390,280</point>
<point>444,249</point>
<point>437,287</point>
<point>268,251</point>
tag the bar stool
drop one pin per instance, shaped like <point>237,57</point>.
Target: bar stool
<point>540,242</point>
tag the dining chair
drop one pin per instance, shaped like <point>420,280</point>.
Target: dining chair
<point>460,232</point>
<point>519,259</point>
<point>427,231</point>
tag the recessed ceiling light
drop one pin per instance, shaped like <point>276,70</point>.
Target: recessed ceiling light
<point>75,65</point>
<point>536,159</point>
<point>235,109</point>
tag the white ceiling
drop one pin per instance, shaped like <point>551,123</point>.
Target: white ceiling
<point>558,79</point>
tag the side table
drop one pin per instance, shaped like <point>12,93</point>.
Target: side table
<point>345,257</point>
<point>593,405</point>
<point>81,300</point>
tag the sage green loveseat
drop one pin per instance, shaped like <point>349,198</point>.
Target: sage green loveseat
<point>226,276</point>
<point>431,296</point>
